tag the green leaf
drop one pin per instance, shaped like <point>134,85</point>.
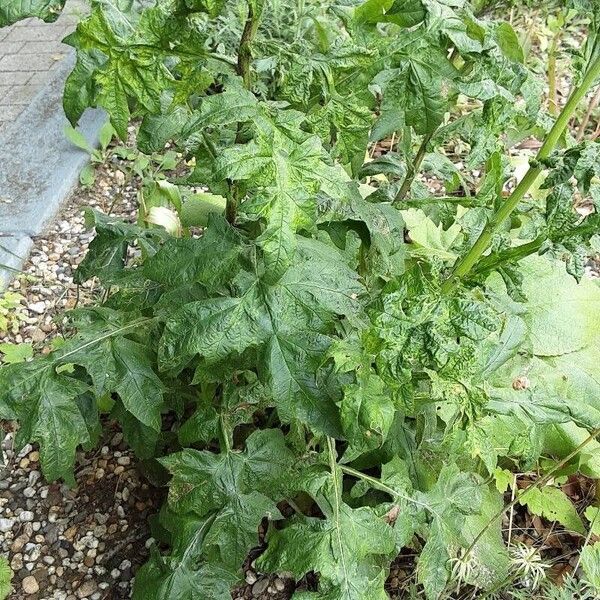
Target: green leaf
<point>118,364</point>
<point>553,504</point>
<point>179,574</point>
<point>78,139</point>
<point>427,238</point>
<point>492,561</point>
<point>455,495</point>
<point>212,7</point>
<point>590,563</point>
<point>113,98</point>
<point>6,575</point>
<point>405,13</point>
<point>44,402</point>
<point>562,439</point>
<point>269,318</point>
<point>367,412</point>
<point>592,514</point>
<point>211,260</point>
<point>15,10</point>
<point>15,353</point>
<point>108,250</point>
<point>236,489</point>
<point>509,43</point>
<point>566,320</point>
<point>345,547</point>
<point>197,209</point>
<point>418,89</point>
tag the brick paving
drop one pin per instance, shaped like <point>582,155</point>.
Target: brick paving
<point>30,53</point>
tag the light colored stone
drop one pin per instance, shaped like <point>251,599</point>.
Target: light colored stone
<point>6,525</point>
<point>30,585</point>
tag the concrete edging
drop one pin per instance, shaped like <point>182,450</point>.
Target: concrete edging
<point>39,167</point>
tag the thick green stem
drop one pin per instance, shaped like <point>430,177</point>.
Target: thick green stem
<point>510,255</point>
<point>244,71</point>
<point>468,261</point>
<point>413,169</point>
<point>245,49</point>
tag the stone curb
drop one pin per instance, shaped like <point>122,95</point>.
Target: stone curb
<point>38,169</point>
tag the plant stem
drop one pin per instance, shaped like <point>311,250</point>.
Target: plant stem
<point>384,488</point>
<point>244,71</point>
<point>413,169</point>
<point>245,51</point>
<point>468,261</point>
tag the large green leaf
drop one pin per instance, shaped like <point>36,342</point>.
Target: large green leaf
<point>118,364</point>
<point>345,547</point>
<point>15,10</point>
<point>553,504</point>
<point>555,378</point>
<point>179,574</point>
<point>235,489</point>
<point>44,403</point>
<point>211,260</point>
<point>566,320</point>
<point>288,322</point>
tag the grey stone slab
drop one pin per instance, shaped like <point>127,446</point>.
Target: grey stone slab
<point>28,62</point>
<point>10,113</point>
<point>20,94</point>
<point>14,250</point>
<point>38,165</point>
<point>15,78</point>
<point>51,47</point>
<point>29,34</point>
<point>7,48</point>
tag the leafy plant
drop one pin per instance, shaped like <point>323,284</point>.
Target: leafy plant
<point>6,576</point>
<point>12,313</point>
<point>348,358</point>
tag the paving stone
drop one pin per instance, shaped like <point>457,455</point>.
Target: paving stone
<point>32,62</point>
<point>46,47</point>
<point>39,165</point>
<point>7,48</point>
<point>10,113</point>
<point>32,34</point>
<point>14,249</point>
<point>20,94</point>
<point>16,77</point>
<point>30,52</point>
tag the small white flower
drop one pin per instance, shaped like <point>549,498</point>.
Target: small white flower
<point>529,566</point>
<point>462,566</point>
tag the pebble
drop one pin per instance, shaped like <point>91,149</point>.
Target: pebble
<point>38,335</point>
<point>86,589</point>
<point>6,525</point>
<point>37,307</point>
<point>260,587</point>
<point>26,516</point>
<point>30,585</point>
<point>279,585</point>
